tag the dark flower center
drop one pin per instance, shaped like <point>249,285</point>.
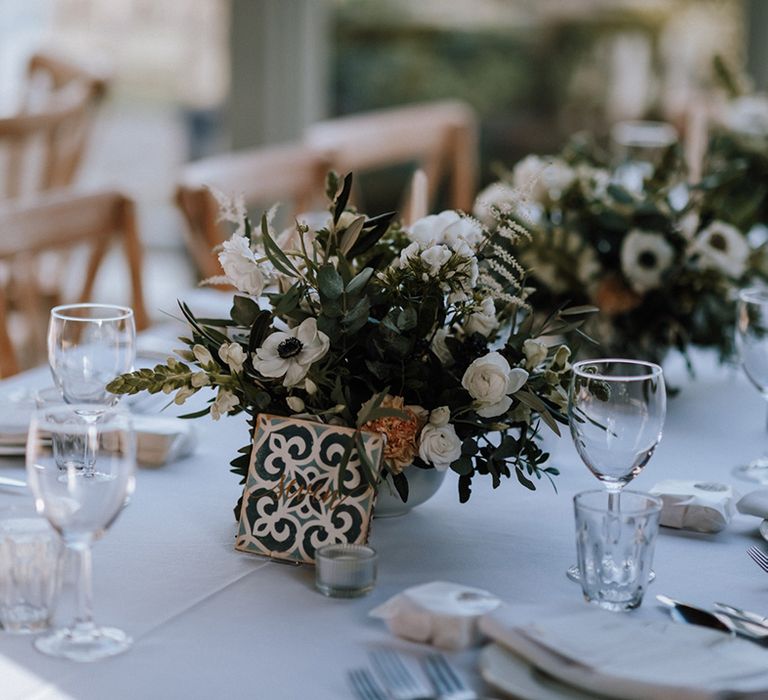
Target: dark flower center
<point>647,259</point>
<point>290,347</point>
<point>718,242</point>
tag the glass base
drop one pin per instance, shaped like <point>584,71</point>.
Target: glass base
<point>92,645</point>
<point>573,574</point>
<point>756,470</point>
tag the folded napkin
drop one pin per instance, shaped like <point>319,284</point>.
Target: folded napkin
<point>701,506</point>
<point>439,613</point>
<point>160,440</point>
<point>628,658</point>
<point>754,503</point>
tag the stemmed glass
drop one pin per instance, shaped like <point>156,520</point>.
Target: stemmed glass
<point>616,411</point>
<point>752,344</point>
<point>88,346</point>
<point>80,505</point>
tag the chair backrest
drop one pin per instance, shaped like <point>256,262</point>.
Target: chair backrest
<point>438,137</point>
<point>289,173</point>
<point>42,146</point>
<point>58,225</point>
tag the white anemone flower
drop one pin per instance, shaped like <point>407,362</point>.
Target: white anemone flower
<point>645,257</point>
<point>723,248</point>
<point>290,354</point>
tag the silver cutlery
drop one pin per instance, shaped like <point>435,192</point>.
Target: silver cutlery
<point>6,481</point>
<point>743,614</point>
<point>448,684</point>
<point>397,678</point>
<point>682,612</point>
<point>365,686</point>
<point>759,557</point>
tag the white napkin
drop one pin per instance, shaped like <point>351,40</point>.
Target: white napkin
<point>160,440</point>
<point>701,506</point>
<point>629,658</point>
<point>754,503</point>
<point>439,613</point>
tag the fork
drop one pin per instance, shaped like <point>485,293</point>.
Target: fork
<point>366,687</point>
<point>759,557</point>
<point>448,684</point>
<point>399,681</point>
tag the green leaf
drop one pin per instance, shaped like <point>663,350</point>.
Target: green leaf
<point>244,310</point>
<point>329,282</point>
<point>343,198</point>
<point>372,237</point>
<point>579,310</point>
<point>465,488</point>
<point>534,402</point>
<point>524,480</point>
<point>463,466</point>
<point>351,235</point>
<point>357,316</point>
<point>406,319</point>
<point>259,329</point>
<point>358,282</point>
<point>276,256</point>
<point>400,482</point>
<point>370,471</point>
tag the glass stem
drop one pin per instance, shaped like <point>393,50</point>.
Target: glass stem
<point>84,616</point>
<point>614,500</point>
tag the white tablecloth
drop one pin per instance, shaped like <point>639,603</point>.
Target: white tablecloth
<point>211,623</point>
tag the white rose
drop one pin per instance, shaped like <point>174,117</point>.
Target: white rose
<point>233,355</point>
<point>489,380</point>
<point>202,355</point>
<point>439,445</point>
<point>440,416</point>
<point>430,230</point>
<point>224,403</point>
<point>484,320</point>
<point>435,257</point>
<point>240,266</point>
<point>535,353</point>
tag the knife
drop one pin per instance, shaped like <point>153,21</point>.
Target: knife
<point>13,483</point>
<point>682,612</point>
<point>742,614</point>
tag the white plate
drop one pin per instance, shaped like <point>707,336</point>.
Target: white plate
<point>507,672</point>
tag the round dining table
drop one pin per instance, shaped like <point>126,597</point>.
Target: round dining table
<point>209,622</point>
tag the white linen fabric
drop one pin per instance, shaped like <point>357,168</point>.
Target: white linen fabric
<point>209,622</point>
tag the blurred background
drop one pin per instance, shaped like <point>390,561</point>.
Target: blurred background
<point>188,80</point>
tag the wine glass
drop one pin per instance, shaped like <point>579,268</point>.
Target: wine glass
<point>752,345</point>
<point>81,504</point>
<point>88,346</point>
<point>616,411</point>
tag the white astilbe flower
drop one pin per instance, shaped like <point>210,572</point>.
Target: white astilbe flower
<point>722,247</point>
<point>224,403</point>
<point>645,257</point>
<point>231,209</point>
<point>291,353</point>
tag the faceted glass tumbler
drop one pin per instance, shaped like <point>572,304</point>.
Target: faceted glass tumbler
<point>345,570</point>
<point>30,554</point>
<point>615,547</point>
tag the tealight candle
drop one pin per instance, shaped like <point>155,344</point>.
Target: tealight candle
<point>345,570</point>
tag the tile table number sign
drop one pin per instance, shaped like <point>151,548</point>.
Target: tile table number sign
<point>297,496</point>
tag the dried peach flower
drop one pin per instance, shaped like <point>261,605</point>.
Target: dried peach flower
<point>401,435</point>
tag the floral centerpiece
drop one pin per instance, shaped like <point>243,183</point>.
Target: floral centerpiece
<point>421,333</point>
<point>657,261</point>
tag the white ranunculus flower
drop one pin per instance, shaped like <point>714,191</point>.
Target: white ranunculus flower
<point>202,355</point>
<point>290,354</point>
<point>722,247</point>
<point>430,230</point>
<point>439,445</point>
<point>224,403</point>
<point>440,416</point>
<point>435,257</point>
<point>484,320</point>
<point>233,355</point>
<point>535,353</point>
<point>240,266</point>
<point>645,257</point>
<point>440,348</point>
<point>489,380</point>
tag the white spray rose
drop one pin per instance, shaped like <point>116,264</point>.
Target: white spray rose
<point>535,353</point>
<point>233,355</point>
<point>489,380</point>
<point>440,416</point>
<point>483,320</point>
<point>439,445</point>
<point>240,266</point>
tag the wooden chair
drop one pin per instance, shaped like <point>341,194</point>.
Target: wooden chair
<point>57,223</point>
<point>438,137</point>
<point>42,146</point>
<point>289,173</point>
